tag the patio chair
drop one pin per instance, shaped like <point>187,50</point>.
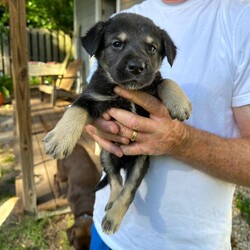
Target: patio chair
<point>62,84</point>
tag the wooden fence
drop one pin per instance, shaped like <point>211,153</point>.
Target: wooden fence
<point>43,46</point>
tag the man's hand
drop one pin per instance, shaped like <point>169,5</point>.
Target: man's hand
<point>223,158</point>
<point>107,134</point>
<point>158,134</point>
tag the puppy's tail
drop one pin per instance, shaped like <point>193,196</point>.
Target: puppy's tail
<point>101,184</point>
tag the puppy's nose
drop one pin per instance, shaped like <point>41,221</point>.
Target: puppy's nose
<point>136,66</point>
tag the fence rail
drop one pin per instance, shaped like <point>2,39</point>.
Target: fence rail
<point>43,46</point>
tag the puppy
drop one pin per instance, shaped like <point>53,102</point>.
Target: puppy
<point>79,235</point>
<point>79,171</point>
<point>129,49</point>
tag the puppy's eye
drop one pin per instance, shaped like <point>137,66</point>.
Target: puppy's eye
<point>151,48</point>
<point>117,44</point>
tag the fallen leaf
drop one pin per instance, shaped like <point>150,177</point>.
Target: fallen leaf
<point>6,209</point>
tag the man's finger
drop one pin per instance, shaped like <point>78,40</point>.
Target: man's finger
<point>106,144</point>
<point>106,125</point>
<point>131,149</point>
<point>91,130</point>
<point>132,121</point>
<point>109,146</point>
<point>150,103</point>
<point>125,131</point>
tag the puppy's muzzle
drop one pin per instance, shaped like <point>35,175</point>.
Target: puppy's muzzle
<point>136,66</point>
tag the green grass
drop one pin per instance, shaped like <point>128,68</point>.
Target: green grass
<point>33,234</point>
<point>243,204</point>
<point>64,243</point>
<point>28,233</point>
<point>25,235</point>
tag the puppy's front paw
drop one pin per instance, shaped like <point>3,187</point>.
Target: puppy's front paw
<point>60,142</point>
<point>175,100</point>
<point>56,145</point>
<point>180,110</point>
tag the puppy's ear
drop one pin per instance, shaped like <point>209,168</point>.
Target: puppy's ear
<point>170,48</point>
<point>92,40</point>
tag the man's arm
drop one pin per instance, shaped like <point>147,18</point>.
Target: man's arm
<point>226,159</point>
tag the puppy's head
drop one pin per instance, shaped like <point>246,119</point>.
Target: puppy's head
<point>79,235</point>
<point>130,48</point>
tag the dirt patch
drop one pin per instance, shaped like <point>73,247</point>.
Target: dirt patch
<point>56,232</point>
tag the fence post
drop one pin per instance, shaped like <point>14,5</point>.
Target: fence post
<point>22,97</point>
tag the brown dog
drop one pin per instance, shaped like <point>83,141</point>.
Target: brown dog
<point>81,175</point>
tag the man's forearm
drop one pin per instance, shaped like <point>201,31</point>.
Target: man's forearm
<point>226,159</point>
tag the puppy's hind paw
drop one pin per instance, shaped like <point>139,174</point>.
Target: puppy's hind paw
<point>109,226</point>
<point>108,206</point>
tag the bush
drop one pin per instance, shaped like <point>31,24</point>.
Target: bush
<point>243,204</point>
<point>6,86</point>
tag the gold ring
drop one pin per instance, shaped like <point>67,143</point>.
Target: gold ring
<point>134,135</point>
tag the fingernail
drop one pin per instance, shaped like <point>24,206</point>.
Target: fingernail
<point>110,111</point>
<point>118,152</point>
<point>106,116</point>
<point>117,90</point>
<point>112,129</point>
<point>119,155</point>
<point>123,148</point>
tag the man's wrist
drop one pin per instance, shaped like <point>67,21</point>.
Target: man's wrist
<point>183,139</point>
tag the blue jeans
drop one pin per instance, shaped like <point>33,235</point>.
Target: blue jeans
<point>96,241</point>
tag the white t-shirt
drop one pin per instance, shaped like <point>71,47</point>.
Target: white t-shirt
<point>177,206</point>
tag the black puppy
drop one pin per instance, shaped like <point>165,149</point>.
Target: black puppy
<point>129,49</point>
